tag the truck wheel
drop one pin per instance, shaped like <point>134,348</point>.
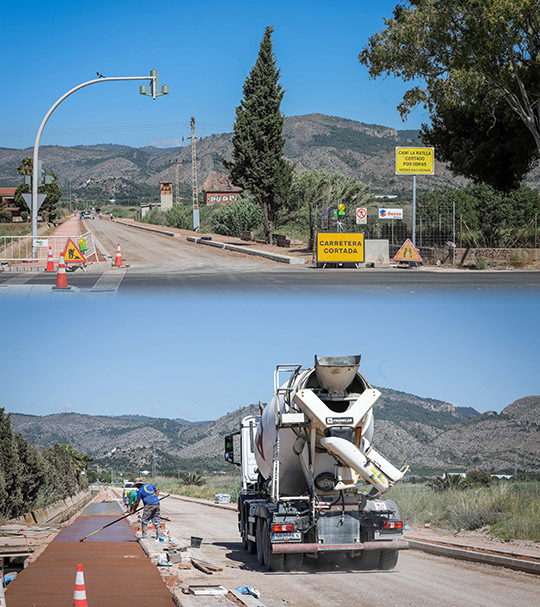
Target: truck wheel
<point>370,559</point>
<point>294,561</point>
<point>273,562</point>
<point>388,559</point>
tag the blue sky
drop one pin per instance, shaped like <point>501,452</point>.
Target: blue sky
<point>203,51</point>
<point>200,356</point>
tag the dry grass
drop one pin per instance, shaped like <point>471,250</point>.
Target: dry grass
<point>511,510</point>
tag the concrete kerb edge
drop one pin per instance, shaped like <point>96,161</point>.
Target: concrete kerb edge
<point>195,500</point>
<point>255,252</point>
<point>478,557</point>
<point>148,229</point>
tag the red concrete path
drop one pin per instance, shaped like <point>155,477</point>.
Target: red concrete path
<point>117,573</point>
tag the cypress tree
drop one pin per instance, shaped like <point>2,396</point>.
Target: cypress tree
<point>257,159</point>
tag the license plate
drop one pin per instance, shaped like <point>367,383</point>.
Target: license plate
<point>286,537</point>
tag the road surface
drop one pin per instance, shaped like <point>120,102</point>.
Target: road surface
<point>419,578</point>
<point>162,264</point>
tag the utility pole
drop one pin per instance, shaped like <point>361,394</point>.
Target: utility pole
<point>177,162</point>
<point>195,191</point>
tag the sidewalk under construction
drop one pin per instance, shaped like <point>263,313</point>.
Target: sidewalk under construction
<point>117,572</point>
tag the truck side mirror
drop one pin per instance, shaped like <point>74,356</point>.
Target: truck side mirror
<point>229,449</point>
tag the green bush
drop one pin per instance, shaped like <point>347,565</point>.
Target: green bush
<point>180,216</point>
<point>24,215</point>
<point>156,217</point>
<point>5,217</point>
<point>233,219</point>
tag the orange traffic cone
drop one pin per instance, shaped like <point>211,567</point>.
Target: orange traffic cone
<point>118,260</point>
<point>79,596</point>
<point>50,262</point>
<point>61,278</point>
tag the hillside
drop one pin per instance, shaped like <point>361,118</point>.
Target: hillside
<point>313,141</point>
<point>422,432</point>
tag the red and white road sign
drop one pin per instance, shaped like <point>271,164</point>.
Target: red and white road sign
<point>361,215</point>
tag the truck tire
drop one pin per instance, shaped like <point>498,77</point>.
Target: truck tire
<point>272,562</point>
<point>389,559</point>
<point>294,561</point>
<point>370,559</point>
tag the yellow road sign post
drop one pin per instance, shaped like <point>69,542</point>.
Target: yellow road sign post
<point>414,161</point>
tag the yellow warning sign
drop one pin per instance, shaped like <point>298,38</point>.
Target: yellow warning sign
<point>340,247</point>
<point>72,254</point>
<point>407,252</point>
<point>414,161</point>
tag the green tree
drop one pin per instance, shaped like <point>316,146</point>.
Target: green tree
<point>237,217</point>
<point>484,141</point>
<point>493,217</point>
<point>465,52</point>
<point>318,188</point>
<point>52,190</point>
<point>257,162</point>
<point>11,496</point>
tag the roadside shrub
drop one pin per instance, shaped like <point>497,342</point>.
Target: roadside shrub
<point>180,216</point>
<point>478,478</point>
<point>24,215</point>
<point>192,478</point>
<point>472,516</point>
<point>5,217</point>
<point>233,219</point>
<point>480,263</point>
<point>447,482</point>
<point>156,217</point>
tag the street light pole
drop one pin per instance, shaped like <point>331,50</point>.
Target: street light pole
<point>153,78</point>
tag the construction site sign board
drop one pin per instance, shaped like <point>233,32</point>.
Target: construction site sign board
<point>415,161</point>
<point>407,252</point>
<point>72,254</point>
<point>340,247</point>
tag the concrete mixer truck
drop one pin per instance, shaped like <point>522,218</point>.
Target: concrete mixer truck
<point>311,478</point>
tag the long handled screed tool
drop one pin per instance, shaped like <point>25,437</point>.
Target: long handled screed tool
<point>118,519</point>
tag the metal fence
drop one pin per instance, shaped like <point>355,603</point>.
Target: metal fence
<point>437,225</point>
<point>19,248</point>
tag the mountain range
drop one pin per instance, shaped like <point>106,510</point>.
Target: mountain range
<point>428,434</point>
<point>313,141</point>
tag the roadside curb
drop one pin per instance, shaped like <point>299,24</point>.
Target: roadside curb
<point>148,229</point>
<point>197,500</point>
<point>478,557</point>
<point>255,252</point>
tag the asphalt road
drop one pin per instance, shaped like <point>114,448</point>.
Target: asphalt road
<point>419,578</point>
<point>159,263</point>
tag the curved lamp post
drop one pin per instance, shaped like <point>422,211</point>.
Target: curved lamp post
<point>143,90</point>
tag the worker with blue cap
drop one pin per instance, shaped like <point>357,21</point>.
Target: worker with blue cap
<point>148,494</point>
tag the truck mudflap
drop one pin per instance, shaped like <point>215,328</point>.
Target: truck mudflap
<point>386,545</point>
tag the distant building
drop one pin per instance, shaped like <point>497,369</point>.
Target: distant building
<point>217,189</point>
<point>7,201</point>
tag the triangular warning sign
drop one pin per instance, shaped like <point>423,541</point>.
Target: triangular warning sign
<point>407,252</point>
<point>72,253</point>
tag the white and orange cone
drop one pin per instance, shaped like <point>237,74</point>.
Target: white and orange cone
<point>61,278</point>
<point>79,596</point>
<point>118,259</point>
<point>50,262</point>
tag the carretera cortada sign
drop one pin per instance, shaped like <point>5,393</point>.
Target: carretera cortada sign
<point>390,213</point>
